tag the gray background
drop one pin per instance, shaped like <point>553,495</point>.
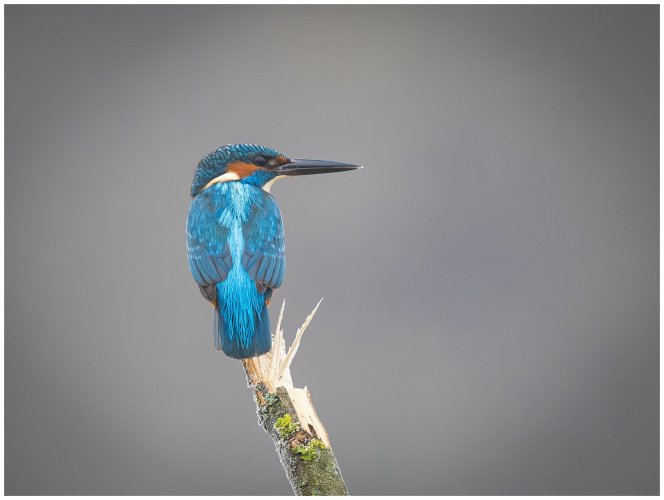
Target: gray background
<point>490,322</point>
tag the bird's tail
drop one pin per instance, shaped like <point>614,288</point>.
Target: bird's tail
<point>241,327</point>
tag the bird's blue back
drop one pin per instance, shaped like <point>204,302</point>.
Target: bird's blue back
<point>235,241</point>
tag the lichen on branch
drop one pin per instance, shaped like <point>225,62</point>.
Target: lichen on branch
<point>287,414</point>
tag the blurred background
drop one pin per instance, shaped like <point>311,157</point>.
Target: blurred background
<point>490,322</point>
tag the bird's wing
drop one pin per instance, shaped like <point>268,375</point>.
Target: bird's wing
<point>263,256</point>
<point>207,242</point>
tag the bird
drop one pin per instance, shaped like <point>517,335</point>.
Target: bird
<point>235,239</point>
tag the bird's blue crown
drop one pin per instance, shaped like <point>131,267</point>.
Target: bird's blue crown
<point>217,163</point>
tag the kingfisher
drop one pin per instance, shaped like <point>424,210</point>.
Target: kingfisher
<point>235,239</point>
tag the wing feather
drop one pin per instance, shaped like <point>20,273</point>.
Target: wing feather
<point>207,242</point>
<point>264,243</point>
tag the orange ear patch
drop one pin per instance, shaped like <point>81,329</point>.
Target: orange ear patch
<point>242,169</point>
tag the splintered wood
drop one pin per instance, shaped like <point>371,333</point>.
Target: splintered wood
<point>273,370</point>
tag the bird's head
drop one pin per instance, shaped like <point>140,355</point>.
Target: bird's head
<point>257,165</point>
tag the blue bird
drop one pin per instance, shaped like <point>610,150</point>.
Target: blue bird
<point>235,239</point>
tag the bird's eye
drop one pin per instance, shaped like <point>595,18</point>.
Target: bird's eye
<point>260,161</point>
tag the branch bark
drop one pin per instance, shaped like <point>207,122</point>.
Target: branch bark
<point>288,415</point>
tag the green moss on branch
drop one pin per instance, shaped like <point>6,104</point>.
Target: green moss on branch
<point>311,466</point>
<point>285,426</point>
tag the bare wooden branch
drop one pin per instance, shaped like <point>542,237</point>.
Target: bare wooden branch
<point>288,415</point>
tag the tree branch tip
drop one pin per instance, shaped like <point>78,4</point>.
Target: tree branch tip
<point>306,455</point>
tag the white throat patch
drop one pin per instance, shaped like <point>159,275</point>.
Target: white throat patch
<point>268,185</point>
<point>232,176</point>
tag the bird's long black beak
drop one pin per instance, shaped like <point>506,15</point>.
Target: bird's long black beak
<point>299,166</point>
